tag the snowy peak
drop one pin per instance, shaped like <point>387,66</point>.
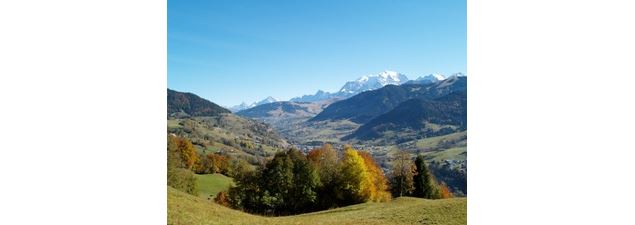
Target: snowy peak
<point>318,96</point>
<point>372,82</point>
<point>393,77</point>
<point>434,77</point>
<point>430,78</point>
<point>265,101</point>
<point>244,105</point>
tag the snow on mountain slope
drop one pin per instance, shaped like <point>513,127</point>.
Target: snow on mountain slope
<point>372,82</point>
<point>244,105</point>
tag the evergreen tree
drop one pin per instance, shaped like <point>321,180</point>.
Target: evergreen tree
<point>423,182</point>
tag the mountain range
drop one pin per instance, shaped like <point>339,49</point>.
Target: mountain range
<point>365,106</point>
<point>364,83</point>
<point>351,88</point>
<point>188,104</point>
<point>387,103</point>
<point>418,118</point>
<point>426,115</point>
<point>244,105</point>
<point>212,128</point>
<point>369,115</point>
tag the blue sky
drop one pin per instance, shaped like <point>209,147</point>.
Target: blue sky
<point>230,51</point>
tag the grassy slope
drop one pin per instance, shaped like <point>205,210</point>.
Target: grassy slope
<point>211,184</point>
<point>433,142</point>
<point>227,126</point>
<point>457,153</point>
<point>188,209</point>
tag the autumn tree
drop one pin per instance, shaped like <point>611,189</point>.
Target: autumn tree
<point>402,175</point>
<point>181,152</point>
<point>212,163</point>
<point>179,176</point>
<point>174,159</point>
<point>222,199</point>
<point>379,188</point>
<point>355,181</point>
<point>203,165</point>
<point>325,161</point>
<point>444,191</point>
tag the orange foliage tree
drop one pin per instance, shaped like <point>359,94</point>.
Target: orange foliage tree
<point>212,163</point>
<point>379,188</point>
<point>444,191</point>
<point>222,199</point>
<point>187,152</point>
<point>182,152</point>
<point>325,160</point>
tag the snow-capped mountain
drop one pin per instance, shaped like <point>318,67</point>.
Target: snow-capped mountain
<point>318,96</point>
<point>459,74</point>
<point>372,82</point>
<point>265,101</point>
<point>430,78</point>
<point>244,105</point>
<point>364,83</point>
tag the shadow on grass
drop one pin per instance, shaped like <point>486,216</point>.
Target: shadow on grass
<point>333,211</point>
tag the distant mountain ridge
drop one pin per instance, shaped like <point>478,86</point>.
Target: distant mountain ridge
<point>188,104</point>
<point>282,109</point>
<point>351,88</point>
<point>365,106</point>
<point>431,78</point>
<point>318,96</point>
<point>372,82</point>
<point>416,118</point>
<point>244,105</point>
<point>285,116</point>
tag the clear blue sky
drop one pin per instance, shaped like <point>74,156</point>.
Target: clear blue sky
<point>230,51</point>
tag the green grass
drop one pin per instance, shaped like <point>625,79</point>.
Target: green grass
<point>211,184</point>
<point>188,209</point>
<point>433,142</point>
<point>457,153</point>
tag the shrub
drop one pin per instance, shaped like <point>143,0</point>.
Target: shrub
<point>222,199</point>
<point>183,179</point>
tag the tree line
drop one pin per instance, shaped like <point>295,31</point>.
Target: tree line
<point>292,182</point>
<point>413,178</point>
<point>184,161</point>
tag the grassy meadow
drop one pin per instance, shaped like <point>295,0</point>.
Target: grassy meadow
<point>211,184</point>
<point>188,209</point>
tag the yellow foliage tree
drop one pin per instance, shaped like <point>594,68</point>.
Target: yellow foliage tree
<point>355,178</point>
<point>188,153</point>
<point>181,152</point>
<point>379,188</point>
